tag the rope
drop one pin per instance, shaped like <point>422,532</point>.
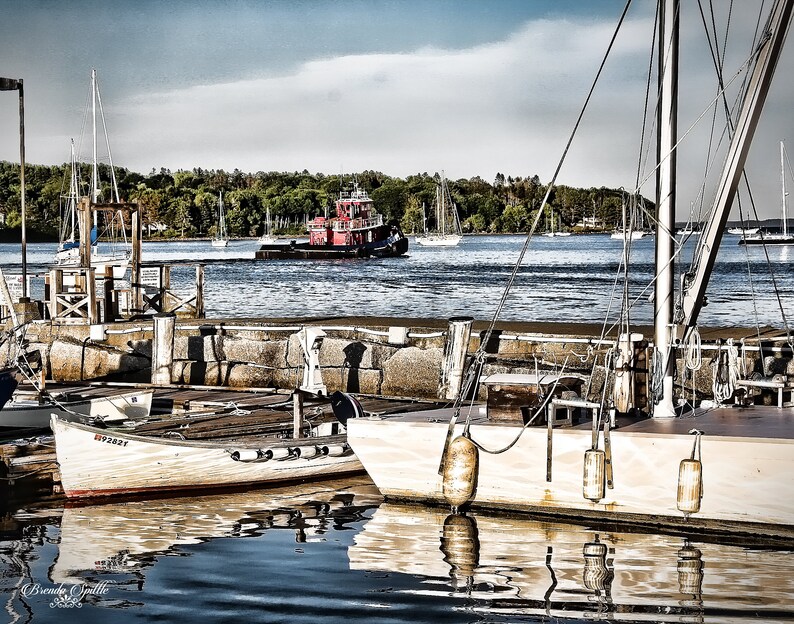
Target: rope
<point>692,350</point>
<point>530,420</point>
<point>726,371</point>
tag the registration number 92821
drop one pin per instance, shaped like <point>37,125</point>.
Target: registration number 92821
<point>110,440</point>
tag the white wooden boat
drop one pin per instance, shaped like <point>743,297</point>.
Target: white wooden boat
<point>103,462</point>
<point>107,405</point>
<point>747,463</point>
<point>733,475</point>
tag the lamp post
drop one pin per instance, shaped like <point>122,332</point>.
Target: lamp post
<point>13,84</point>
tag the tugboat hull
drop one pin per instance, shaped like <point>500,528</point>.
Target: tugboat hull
<point>395,245</point>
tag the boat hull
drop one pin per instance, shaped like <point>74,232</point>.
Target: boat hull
<point>100,462</point>
<point>747,485</point>
<point>131,405</point>
<point>450,240</point>
<point>767,239</point>
<point>388,248</point>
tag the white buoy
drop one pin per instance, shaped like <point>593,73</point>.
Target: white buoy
<point>335,450</point>
<point>690,485</point>
<point>278,453</point>
<point>690,480</point>
<point>306,452</point>
<point>246,455</point>
<point>594,478</point>
<point>460,470</point>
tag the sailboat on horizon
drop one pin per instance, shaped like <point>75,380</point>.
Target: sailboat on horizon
<point>267,237</point>
<point>782,238</point>
<point>115,252</point>
<point>447,231</point>
<point>221,238</point>
<point>554,232</point>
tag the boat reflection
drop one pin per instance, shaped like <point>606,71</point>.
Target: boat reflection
<point>126,537</point>
<point>516,565</point>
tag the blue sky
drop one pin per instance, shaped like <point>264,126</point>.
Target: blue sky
<point>473,88</point>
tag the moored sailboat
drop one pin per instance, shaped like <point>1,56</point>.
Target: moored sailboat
<point>718,468</point>
<point>784,237</point>
<point>221,238</point>
<point>446,231</point>
<point>115,253</point>
<point>267,237</point>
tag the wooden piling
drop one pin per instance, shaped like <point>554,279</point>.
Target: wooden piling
<point>297,414</point>
<point>163,349</point>
<point>454,363</point>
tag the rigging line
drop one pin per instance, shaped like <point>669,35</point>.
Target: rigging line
<point>530,420</point>
<point>691,128</point>
<point>524,248</point>
<point>647,96</point>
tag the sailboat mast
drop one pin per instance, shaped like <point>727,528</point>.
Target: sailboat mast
<point>694,287</point>
<point>94,172</point>
<point>665,203</point>
<point>783,187</point>
<point>73,198</point>
<point>442,227</point>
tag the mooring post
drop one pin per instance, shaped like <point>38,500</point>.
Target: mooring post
<point>297,413</point>
<point>108,289</point>
<point>455,349</point>
<point>200,291</point>
<point>163,349</point>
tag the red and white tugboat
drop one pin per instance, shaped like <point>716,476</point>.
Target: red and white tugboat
<point>357,231</point>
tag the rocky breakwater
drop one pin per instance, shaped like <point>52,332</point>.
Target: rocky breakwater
<point>380,356</point>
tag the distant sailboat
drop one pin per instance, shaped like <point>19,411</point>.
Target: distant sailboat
<point>553,232</point>
<point>118,254</point>
<point>784,238</point>
<point>267,236</point>
<point>628,232</point>
<point>447,232</point>
<point>221,235</point>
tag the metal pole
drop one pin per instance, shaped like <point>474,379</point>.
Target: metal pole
<point>15,84</point>
<point>22,185</point>
<point>665,202</point>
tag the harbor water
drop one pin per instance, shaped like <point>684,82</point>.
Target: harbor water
<point>334,551</point>
<point>567,279</point>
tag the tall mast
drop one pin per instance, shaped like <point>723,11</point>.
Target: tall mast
<point>665,202</point>
<point>694,286</point>
<point>94,172</point>
<point>73,197</point>
<point>783,187</point>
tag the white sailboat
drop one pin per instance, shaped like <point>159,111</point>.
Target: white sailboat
<point>782,238</point>
<point>716,469</point>
<point>267,237</point>
<point>221,235</point>
<point>628,231</point>
<point>447,232</point>
<point>116,251</point>
<point>553,232</point>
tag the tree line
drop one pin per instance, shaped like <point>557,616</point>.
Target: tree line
<point>184,204</point>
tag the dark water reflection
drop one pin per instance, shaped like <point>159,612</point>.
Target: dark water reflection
<point>334,552</point>
<point>567,279</point>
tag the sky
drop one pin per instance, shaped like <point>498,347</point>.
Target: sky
<point>473,88</point>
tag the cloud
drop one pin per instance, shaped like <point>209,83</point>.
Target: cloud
<point>496,107</point>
